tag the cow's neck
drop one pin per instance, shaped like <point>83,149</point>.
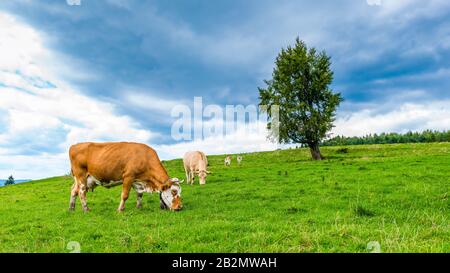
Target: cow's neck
<point>159,180</point>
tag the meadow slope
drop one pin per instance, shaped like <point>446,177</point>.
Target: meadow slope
<point>281,201</point>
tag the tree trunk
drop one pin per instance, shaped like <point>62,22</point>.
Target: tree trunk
<point>315,151</point>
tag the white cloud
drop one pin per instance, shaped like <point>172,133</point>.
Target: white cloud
<point>33,167</point>
<point>406,117</point>
<point>120,3</point>
<point>147,101</point>
<point>37,104</point>
<point>373,2</point>
<point>411,9</point>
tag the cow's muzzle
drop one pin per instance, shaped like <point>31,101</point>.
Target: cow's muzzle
<point>175,206</point>
<point>178,208</point>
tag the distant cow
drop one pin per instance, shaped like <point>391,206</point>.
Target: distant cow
<point>227,161</point>
<point>131,165</point>
<point>239,159</point>
<point>195,163</point>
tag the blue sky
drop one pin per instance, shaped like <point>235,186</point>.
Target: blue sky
<point>112,69</point>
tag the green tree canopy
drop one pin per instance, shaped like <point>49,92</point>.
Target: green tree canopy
<point>300,87</point>
<point>10,181</point>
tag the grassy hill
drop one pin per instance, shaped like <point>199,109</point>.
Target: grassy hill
<point>281,201</point>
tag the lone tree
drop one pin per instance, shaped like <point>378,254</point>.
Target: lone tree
<point>10,181</point>
<point>300,87</point>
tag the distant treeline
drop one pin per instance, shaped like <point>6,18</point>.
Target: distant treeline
<point>390,138</point>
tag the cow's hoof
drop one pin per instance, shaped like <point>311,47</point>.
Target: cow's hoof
<point>119,210</point>
<point>86,209</point>
<point>71,209</point>
<point>139,206</point>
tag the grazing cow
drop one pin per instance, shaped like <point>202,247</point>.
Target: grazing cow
<point>133,165</point>
<point>239,159</point>
<point>195,163</point>
<point>227,161</point>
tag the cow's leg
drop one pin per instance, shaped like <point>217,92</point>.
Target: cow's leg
<point>82,185</point>
<point>192,176</point>
<point>139,199</point>
<point>126,186</point>
<point>80,178</point>
<point>73,194</point>
<point>187,175</point>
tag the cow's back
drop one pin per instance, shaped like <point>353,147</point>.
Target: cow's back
<point>205,159</point>
<point>78,155</point>
<point>188,159</point>
<point>112,160</point>
<point>195,160</point>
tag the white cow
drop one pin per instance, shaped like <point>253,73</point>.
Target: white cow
<point>195,162</point>
<point>227,161</point>
<point>239,159</point>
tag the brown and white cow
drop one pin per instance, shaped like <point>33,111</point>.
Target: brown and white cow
<point>132,165</point>
<point>195,163</point>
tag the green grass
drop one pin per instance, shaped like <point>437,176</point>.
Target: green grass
<point>281,201</point>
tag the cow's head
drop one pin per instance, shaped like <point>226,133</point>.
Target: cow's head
<point>202,176</point>
<point>170,195</point>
